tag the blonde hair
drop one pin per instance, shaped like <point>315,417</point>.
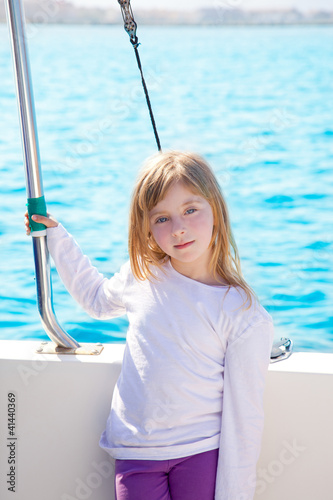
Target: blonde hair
<point>160,172</point>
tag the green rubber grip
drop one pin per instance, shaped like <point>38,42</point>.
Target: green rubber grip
<point>36,206</point>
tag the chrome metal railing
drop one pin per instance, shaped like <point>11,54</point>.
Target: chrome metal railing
<point>34,184</point>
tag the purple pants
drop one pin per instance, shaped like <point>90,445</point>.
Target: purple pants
<point>187,478</point>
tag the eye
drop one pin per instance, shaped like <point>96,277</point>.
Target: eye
<point>161,220</point>
<point>190,211</point>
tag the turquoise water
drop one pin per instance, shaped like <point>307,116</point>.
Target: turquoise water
<point>255,101</point>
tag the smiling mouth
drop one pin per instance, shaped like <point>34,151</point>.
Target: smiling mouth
<point>184,245</point>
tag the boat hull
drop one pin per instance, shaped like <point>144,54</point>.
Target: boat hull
<point>54,409</point>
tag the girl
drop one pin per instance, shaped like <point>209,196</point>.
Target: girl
<point>186,417</point>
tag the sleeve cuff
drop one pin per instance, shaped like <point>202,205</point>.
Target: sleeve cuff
<point>56,232</point>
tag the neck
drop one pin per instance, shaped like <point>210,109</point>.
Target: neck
<point>193,271</point>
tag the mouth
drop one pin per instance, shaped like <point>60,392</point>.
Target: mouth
<point>184,245</point>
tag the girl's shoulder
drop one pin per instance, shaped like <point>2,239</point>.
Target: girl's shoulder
<point>125,273</point>
<point>237,306</point>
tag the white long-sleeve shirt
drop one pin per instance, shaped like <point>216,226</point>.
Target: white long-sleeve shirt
<point>194,366</point>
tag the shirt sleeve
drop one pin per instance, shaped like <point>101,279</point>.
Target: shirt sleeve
<point>100,297</point>
<point>246,365</point>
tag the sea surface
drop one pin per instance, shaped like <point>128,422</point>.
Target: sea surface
<point>257,102</point>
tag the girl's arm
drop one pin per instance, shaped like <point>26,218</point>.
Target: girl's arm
<point>100,297</point>
<point>246,364</point>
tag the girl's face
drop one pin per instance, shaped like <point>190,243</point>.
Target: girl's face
<point>182,226</point>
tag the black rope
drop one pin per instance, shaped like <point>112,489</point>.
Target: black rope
<point>130,28</point>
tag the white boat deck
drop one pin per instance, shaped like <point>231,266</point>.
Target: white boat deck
<point>62,403</point>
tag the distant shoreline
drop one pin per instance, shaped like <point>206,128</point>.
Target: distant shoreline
<point>184,25</point>
<point>53,12</point>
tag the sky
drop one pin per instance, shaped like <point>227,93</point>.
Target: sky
<point>303,5</point>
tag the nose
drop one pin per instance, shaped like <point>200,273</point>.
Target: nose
<point>178,228</point>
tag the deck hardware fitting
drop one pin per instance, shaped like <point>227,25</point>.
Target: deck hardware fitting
<point>281,350</point>
<point>84,349</point>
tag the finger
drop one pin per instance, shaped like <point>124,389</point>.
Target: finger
<point>41,219</point>
<point>44,220</point>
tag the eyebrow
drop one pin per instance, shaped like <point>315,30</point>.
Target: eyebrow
<point>153,213</point>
